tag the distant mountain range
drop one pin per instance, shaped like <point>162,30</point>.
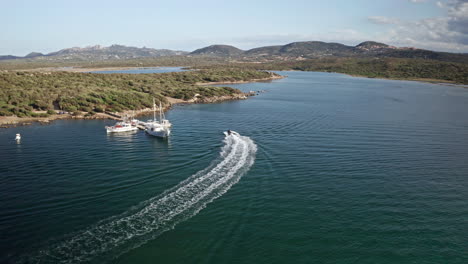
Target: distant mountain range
<point>318,49</point>
<point>291,51</point>
<point>99,53</point>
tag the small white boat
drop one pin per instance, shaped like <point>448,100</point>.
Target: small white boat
<point>18,137</point>
<point>161,128</point>
<point>122,127</point>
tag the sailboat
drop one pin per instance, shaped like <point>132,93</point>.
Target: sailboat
<point>161,128</point>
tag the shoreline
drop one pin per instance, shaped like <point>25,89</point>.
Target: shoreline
<point>14,121</point>
<point>271,78</point>
<point>92,69</point>
<point>423,80</point>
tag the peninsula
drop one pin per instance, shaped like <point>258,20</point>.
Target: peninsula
<point>30,96</point>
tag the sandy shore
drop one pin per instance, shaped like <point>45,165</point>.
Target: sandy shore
<point>12,121</point>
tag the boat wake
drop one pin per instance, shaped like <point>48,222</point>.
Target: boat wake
<point>112,237</point>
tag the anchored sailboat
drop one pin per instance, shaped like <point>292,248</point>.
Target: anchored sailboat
<point>161,128</point>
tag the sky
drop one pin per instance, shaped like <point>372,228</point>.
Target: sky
<point>47,25</point>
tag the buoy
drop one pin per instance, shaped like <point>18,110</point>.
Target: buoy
<point>18,137</point>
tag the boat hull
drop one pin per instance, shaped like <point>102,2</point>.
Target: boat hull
<point>230,133</point>
<point>162,133</point>
<point>120,129</point>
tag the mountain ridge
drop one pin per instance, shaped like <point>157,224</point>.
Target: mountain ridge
<point>319,49</point>
<point>98,52</point>
<point>291,51</point>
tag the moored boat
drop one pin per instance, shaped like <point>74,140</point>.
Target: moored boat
<point>157,130</point>
<point>122,127</point>
<point>129,123</point>
<point>161,128</point>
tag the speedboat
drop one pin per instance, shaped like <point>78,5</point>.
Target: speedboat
<point>230,133</point>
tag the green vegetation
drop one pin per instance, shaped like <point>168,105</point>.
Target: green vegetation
<point>23,92</point>
<point>166,61</point>
<point>394,68</point>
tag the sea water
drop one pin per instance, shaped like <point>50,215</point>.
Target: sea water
<point>328,169</point>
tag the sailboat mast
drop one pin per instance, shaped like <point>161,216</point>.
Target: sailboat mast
<point>160,112</point>
<point>154,109</point>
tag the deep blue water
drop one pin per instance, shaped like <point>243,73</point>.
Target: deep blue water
<point>347,170</point>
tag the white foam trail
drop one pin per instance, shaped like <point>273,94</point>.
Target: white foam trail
<point>113,237</point>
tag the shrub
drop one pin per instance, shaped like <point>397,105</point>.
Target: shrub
<point>5,112</point>
<point>39,115</point>
<point>99,109</point>
<point>51,112</point>
<point>71,108</point>
<point>85,109</point>
<point>90,114</point>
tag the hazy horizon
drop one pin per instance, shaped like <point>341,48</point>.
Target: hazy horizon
<point>50,25</point>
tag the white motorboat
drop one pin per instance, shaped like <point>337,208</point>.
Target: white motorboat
<point>18,137</point>
<point>122,127</point>
<point>161,128</point>
<point>129,123</point>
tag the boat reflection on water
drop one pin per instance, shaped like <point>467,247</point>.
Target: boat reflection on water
<point>160,141</point>
<point>124,137</point>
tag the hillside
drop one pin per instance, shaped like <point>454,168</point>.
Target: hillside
<point>22,93</point>
<point>218,50</point>
<point>306,49</point>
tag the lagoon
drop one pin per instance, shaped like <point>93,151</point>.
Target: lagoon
<point>346,170</point>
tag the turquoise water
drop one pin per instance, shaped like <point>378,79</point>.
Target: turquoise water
<point>331,169</point>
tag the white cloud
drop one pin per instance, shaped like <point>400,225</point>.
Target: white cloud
<point>418,1</point>
<point>440,4</point>
<point>446,33</point>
